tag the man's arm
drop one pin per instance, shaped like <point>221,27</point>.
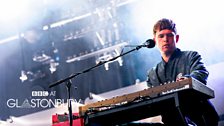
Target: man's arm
<point>149,83</point>
<point>197,68</point>
<point>152,78</point>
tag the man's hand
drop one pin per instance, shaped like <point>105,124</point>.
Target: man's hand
<point>180,77</point>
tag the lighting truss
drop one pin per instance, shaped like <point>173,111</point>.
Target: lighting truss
<point>95,53</point>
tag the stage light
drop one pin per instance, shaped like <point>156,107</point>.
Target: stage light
<point>53,67</point>
<point>11,10</point>
<point>9,39</point>
<point>45,27</point>
<point>23,76</point>
<point>106,65</point>
<point>32,36</point>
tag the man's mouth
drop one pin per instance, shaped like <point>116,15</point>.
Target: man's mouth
<point>166,45</point>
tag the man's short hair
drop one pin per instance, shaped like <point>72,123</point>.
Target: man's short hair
<point>164,24</point>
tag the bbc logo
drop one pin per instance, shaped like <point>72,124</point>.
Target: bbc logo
<point>40,93</point>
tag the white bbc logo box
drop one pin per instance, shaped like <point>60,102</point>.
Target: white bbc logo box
<point>40,93</point>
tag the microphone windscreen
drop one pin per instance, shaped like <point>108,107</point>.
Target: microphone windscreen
<point>150,43</point>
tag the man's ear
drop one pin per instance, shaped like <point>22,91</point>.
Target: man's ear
<point>177,38</point>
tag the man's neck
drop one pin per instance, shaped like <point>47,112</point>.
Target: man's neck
<point>166,56</point>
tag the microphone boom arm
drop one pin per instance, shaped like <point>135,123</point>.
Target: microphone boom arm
<point>89,69</point>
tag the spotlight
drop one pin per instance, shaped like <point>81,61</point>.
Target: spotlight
<point>106,65</point>
<point>53,67</point>
<point>23,76</point>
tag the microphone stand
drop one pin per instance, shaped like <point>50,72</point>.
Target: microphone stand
<point>69,82</point>
<point>68,85</point>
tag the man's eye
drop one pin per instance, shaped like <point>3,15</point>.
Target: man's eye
<point>161,36</point>
<point>167,35</point>
<point>170,35</point>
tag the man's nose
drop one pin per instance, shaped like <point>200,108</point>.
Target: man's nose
<point>165,38</point>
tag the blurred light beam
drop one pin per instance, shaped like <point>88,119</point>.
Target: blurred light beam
<point>11,10</point>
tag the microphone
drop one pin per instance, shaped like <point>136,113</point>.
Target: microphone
<point>150,43</point>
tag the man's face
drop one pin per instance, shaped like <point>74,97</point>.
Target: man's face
<point>166,41</point>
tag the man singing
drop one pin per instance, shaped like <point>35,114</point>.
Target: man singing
<point>177,65</point>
